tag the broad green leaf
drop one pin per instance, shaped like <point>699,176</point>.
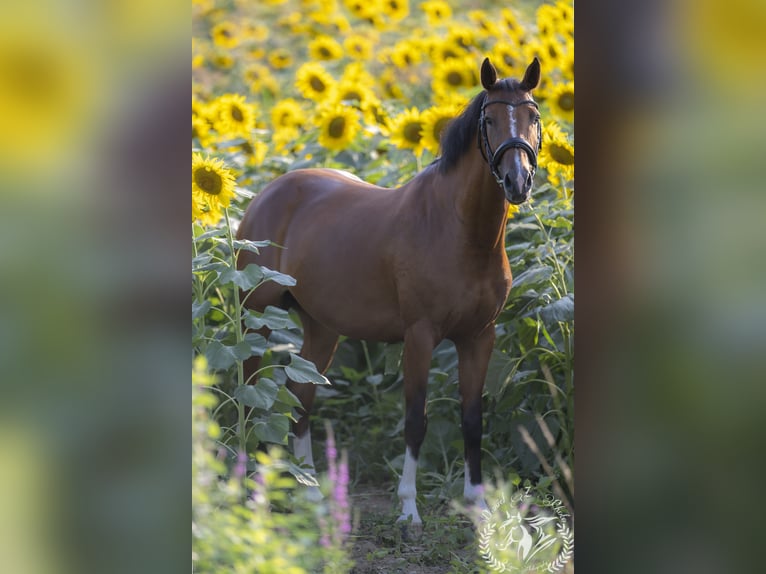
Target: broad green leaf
<point>260,395</point>
<point>285,396</point>
<point>258,344</point>
<point>199,309</point>
<point>561,310</point>
<point>277,277</point>
<point>221,357</point>
<point>393,354</point>
<point>250,277</point>
<point>272,317</point>
<point>217,232</point>
<point>272,429</point>
<point>302,371</point>
<point>248,245</point>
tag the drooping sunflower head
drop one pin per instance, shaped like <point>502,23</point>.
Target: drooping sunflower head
<point>314,82</point>
<point>561,101</point>
<point>407,130</point>
<point>435,119</point>
<point>338,126</point>
<point>212,188</point>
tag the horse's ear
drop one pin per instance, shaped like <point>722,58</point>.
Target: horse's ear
<point>488,74</point>
<point>531,76</point>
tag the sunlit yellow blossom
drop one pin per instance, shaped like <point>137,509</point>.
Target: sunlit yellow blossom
<point>356,73</point>
<point>362,9</point>
<point>557,154</point>
<point>406,53</point>
<point>407,130</point>
<point>325,48</point>
<point>314,82</point>
<point>338,126</point>
<point>509,23</point>
<point>254,31</point>
<point>287,113</point>
<point>437,11</point>
<point>434,121</point>
<point>485,25</point>
<point>234,116</point>
<point>508,59</point>
<point>562,101</point>
<point>440,50</point>
<point>452,74</point>
<point>396,10</point>
<point>225,35</point>
<point>280,59</point>
<point>222,61</point>
<point>201,131</point>
<point>212,188</point>
<point>389,86</point>
<point>353,94</point>
<point>567,65</point>
<point>358,46</point>
<point>462,35</point>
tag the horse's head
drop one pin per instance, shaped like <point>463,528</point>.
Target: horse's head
<point>510,125</point>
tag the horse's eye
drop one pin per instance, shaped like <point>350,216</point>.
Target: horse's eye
<point>489,121</point>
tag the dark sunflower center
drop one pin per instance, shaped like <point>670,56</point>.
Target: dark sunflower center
<point>412,132</point>
<point>455,78</point>
<point>208,181</point>
<point>337,127</point>
<point>324,51</point>
<point>561,154</point>
<point>236,114</point>
<point>566,101</point>
<point>317,84</point>
<point>352,96</point>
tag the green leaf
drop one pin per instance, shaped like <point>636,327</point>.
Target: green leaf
<point>258,344</point>
<point>277,277</point>
<point>302,371</point>
<point>250,277</point>
<point>218,232</point>
<point>248,245</point>
<point>272,317</point>
<point>274,428</point>
<point>393,354</point>
<point>221,357</point>
<point>200,309</point>
<point>260,395</point>
<point>561,310</point>
<point>288,398</point>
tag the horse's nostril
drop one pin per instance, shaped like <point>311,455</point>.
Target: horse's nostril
<point>528,181</point>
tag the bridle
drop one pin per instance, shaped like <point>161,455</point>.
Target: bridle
<point>493,158</point>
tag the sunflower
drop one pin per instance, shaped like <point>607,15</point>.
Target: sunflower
<point>324,48</point>
<point>313,81</point>
<point>280,59</point>
<point>561,101</point>
<point>406,53</point>
<point>453,74</point>
<point>557,154</point>
<point>287,113</point>
<point>509,23</point>
<point>338,125</point>
<point>396,10</point>
<point>407,131</point>
<point>434,120</point>
<point>212,188</point>
<point>222,61</point>
<point>362,9</point>
<point>508,60</point>
<point>254,31</point>
<point>358,46</point>
<point>201,131</point>
<point>234,116</point>
<point>225,35</point>
<point>437,11</point>
<point>485,26</point>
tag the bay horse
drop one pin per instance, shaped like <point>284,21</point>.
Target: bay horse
<point>420,263</point>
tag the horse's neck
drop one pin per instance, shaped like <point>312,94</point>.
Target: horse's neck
<point>479,202</point>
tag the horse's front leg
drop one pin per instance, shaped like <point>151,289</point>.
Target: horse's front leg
<point>418,346</point>
<point>473,360</point>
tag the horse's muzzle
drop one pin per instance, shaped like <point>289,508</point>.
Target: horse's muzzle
<point>517,189</point>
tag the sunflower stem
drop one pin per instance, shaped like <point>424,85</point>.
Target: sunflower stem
<point>237,321</point>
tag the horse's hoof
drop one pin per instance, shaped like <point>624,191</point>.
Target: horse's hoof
<point>411,530</point>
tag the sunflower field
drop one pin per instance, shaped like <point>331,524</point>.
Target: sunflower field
<point>366,86</point>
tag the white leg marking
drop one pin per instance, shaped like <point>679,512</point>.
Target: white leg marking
<point>473,493</point>
<point>407,490</point>
<point>302,450</point>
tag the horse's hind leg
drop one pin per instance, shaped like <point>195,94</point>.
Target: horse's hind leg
<point>319,344</point>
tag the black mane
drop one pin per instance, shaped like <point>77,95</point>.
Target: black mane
<point>461,133</point>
